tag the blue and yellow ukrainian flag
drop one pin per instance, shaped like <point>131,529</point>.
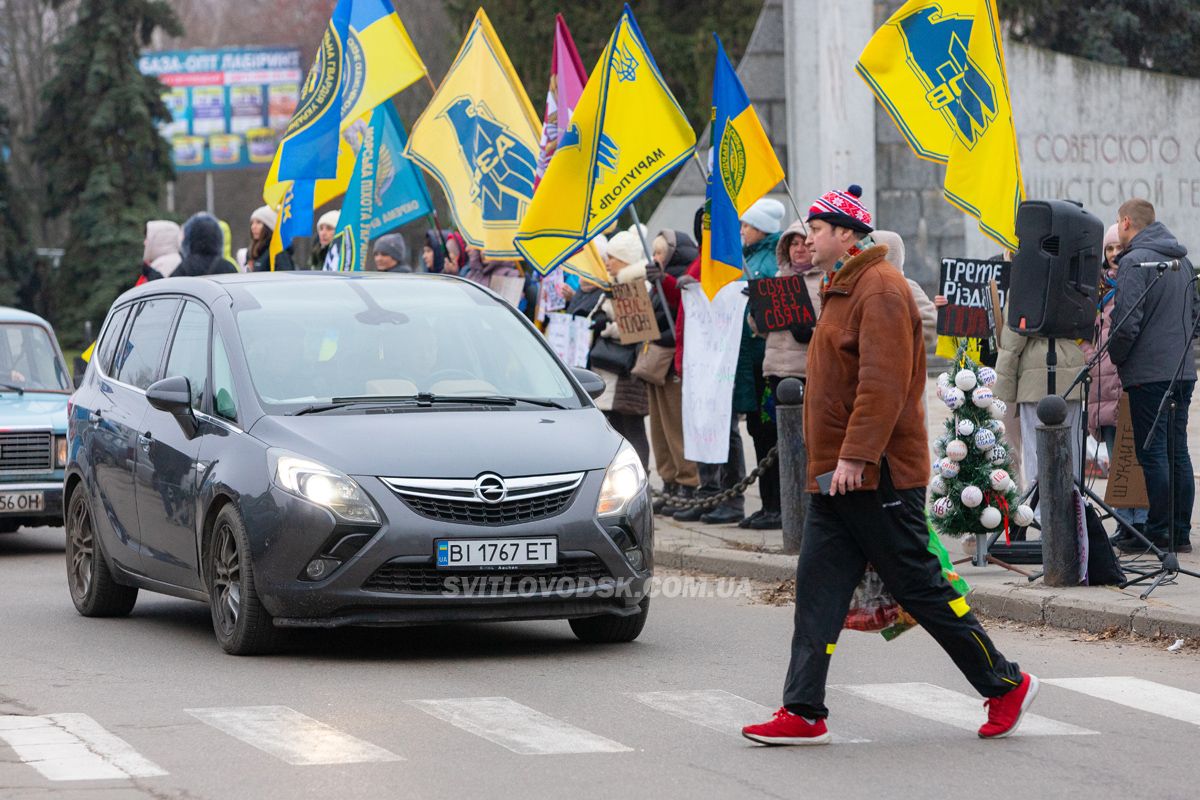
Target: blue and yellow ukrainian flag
<point>379,61</point>
<point>937,67</point>
<point>744,168</point>
<point>295,217</point>
<point>478,138</point>
<point>626,132</point>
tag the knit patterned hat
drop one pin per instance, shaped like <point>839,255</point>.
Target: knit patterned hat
<point>842,209</point>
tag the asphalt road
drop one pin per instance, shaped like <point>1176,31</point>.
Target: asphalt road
<point>524,710</point>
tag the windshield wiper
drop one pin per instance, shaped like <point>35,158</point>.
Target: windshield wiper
<point>347,402</point>
<point>424,399</point>
<point>12,387</point>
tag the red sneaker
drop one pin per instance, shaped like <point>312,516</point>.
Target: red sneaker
<point>1005,712</point>
<point>788,728</point>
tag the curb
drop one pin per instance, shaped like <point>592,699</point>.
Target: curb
<point>1090,609</point>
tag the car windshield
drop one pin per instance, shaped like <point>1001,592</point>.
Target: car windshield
<point>29,360</point>
<point>311,341</point>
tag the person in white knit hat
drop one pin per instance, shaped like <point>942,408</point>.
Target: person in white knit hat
<point>326,228</point>
<point>258,255</point>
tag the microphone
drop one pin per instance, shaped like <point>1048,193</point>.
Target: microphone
<point>1174,264</point>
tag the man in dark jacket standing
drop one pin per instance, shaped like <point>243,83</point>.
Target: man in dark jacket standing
<point>203,244</point>
<point>864,422</point>
<point>1147,348</point>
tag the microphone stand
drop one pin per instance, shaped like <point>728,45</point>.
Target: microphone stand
<point>1084,375</point>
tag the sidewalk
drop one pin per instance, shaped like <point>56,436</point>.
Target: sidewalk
<point>1173,610</point>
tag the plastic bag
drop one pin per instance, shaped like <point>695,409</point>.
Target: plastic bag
<point>872,608</point>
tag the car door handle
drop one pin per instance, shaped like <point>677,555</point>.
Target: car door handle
<point>144,441</point>
<point>94,417</point>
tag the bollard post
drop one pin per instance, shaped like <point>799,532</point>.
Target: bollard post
<point>1056,495</point>
<point>793,461</point>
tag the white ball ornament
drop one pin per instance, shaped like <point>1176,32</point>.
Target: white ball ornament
<point>987,376</point>
<point>991,517</point>
<point>985,440</point>
<point>953,397</point>
<point>981,397</point>
<point>966,380</point>
<point>999,408</point>
<point>971,496</point>
<point>965,427</point>
<point>999,455</point>
<point>942,507</point>
<point>938,485</point>
<point>999,479</point>
<point>1023,516</point>
<point>996,427</point>
<point>956,450</point>
<point>943,380</point>
<point>1011,486</point>
<point>949,468</point>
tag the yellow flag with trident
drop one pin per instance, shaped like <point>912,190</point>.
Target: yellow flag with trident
<point>626,133</point>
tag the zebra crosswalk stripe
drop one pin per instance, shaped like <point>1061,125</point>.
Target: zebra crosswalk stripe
<point>1144,695</point>
<point>519,728</point>
<point>952,708</point>
<point>290,736</point>
<point>717,710</point>
<point>73,747</point>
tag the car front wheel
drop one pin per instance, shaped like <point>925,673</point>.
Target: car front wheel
<point>608,629</point>
<point>93,590</point>
<point>243,627</point>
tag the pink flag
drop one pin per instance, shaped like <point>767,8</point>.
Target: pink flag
<point>567,78</point>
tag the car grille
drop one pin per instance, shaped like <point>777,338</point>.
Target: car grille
<point>403,578</point>
<point>527,499</point>
<point>28,451</point>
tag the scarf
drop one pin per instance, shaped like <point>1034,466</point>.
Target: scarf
<point>861,246</point>
<point>1108,296</point>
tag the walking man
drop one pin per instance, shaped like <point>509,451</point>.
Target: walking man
<point>864,422</point>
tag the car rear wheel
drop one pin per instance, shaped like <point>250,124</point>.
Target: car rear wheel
<point>93,590</point>
<point>243,627</point>
<point>9,526</point>
<point>608,629</point>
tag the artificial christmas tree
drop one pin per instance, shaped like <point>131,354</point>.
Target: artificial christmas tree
<point>972,491</point>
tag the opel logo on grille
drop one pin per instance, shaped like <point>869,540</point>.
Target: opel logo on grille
<point>490,489</point>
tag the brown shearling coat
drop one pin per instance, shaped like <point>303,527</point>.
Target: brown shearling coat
<point>866,376</point>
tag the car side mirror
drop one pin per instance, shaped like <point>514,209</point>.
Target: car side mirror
<point>592,383</point>
<point>78,371</point>
<point>174,396</point>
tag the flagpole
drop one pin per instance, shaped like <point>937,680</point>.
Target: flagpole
<point>795,207</point>
<point>637,226</point>
<point>700,166</point>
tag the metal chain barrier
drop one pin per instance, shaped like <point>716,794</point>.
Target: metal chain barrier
<point>714,500</point>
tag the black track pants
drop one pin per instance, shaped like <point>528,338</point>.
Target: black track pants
<point>886,528</point>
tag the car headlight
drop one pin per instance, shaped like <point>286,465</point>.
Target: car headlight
<point>623,481</point>
<point>324,486</point>
<point>60,451</point>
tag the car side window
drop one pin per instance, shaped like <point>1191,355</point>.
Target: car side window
<point>137,362</point>
<point>108,345</point>
<point>224,394</point>
<point>189,350</point>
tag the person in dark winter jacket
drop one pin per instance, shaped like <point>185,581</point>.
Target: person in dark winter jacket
<point>1156,333</point>
<point>433,253</point>
<point>673,251</point>
<point>390,254</point>
<point>326,228</point>
<point>258,255</point>
<point>202,248</point>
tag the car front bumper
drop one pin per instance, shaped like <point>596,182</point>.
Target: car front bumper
<point>604,566</point>
<point>52,505</point>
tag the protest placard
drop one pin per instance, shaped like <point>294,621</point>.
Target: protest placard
<point>570,337</point>
<point>965,283</point>
<point>779,303</point>
<point>550,296</point>
<point>1126,482</point>
<point>510,287</point>
<point>634,313</point>
<point>709,365</point>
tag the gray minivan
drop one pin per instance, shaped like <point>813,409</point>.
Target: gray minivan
<point>324,449</point>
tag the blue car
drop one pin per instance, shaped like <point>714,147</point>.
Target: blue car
<point>35,388</point>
